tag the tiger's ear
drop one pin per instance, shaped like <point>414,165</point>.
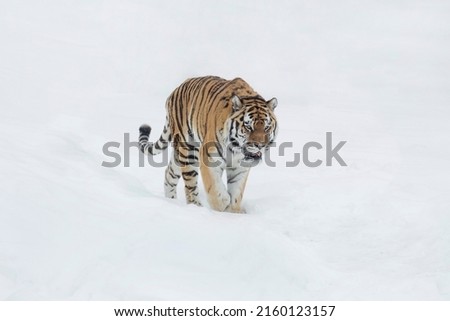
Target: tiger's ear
<point>237,102</point>
<point>272,103</point>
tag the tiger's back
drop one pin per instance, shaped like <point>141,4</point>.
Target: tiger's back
<point>200,106</point>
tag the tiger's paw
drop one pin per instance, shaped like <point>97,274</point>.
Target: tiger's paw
<point>236,210</point>
<point>221,203</point>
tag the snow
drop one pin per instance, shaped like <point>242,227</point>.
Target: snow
<point>77,74</point>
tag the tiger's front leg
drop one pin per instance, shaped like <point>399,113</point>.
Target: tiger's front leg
<point>236,180</point>
<point>212,169</point>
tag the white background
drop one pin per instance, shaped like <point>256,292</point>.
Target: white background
<point>77,74</point>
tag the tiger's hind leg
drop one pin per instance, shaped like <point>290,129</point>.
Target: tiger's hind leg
<point>173,174</point>
<point>186,156</point>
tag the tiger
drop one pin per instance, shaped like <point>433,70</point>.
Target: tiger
<point>214,125</point>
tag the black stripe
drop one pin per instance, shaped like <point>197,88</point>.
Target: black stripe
<point>191,173</point>
<point>172,174</point>
<point>233,179</point>
<point>177,109</point>
<point>191,188</point>
<point>219,149</point>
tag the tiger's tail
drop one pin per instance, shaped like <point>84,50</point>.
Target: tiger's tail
<point>153,148</point>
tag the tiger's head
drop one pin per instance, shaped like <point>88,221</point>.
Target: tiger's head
<point>252,127</point>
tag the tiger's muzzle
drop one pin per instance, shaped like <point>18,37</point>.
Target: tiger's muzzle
<point>253,151</point>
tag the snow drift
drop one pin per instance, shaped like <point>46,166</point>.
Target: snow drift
<point>77,74</point>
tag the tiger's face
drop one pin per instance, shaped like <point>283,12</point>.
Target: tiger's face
<point>253,126</point>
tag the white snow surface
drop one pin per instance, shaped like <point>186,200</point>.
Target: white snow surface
<point>77,74</point>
